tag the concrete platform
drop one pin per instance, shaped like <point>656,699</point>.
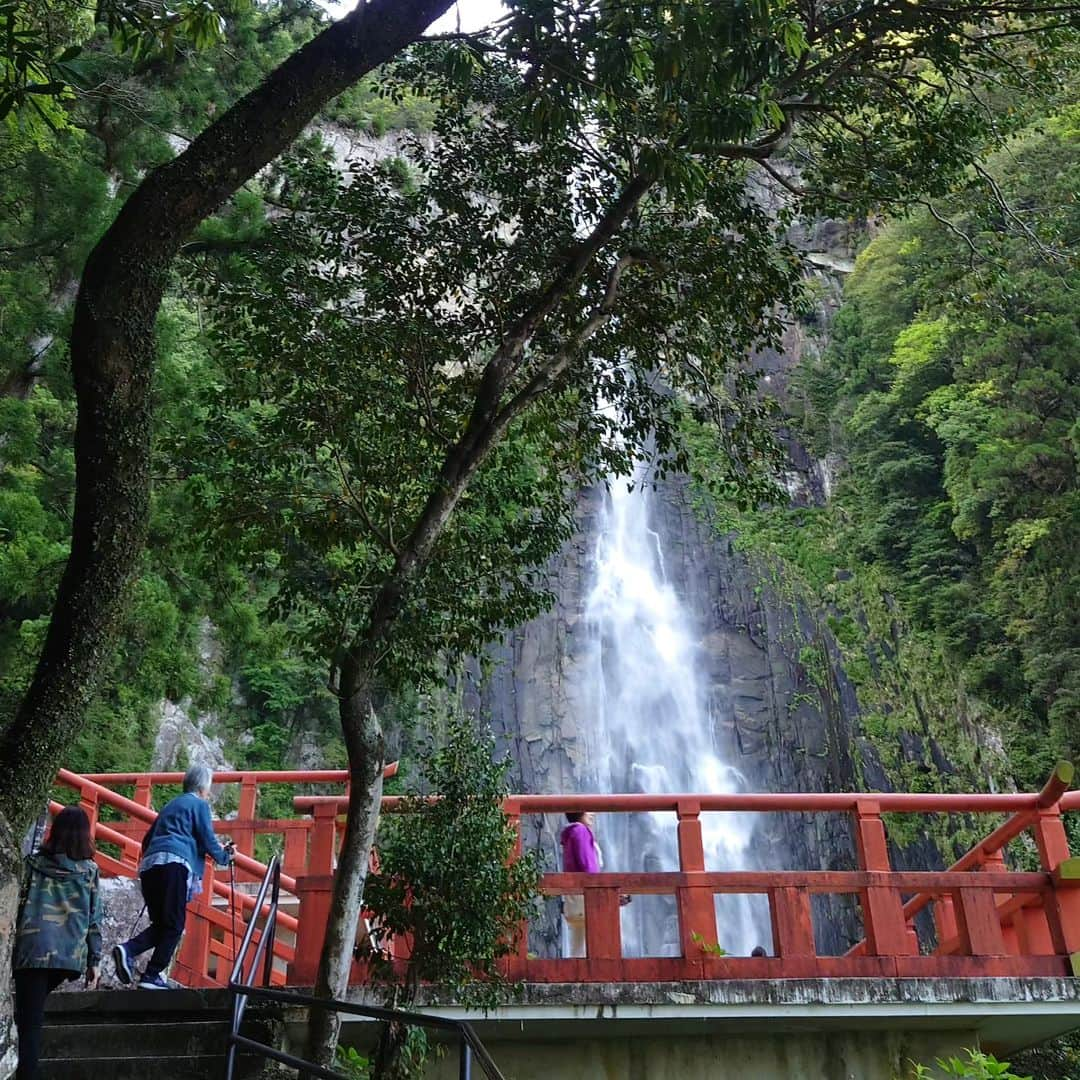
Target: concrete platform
<point>1007,1014</point>
<point>833,1029</point>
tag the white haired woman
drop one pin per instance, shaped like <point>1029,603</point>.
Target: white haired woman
<point>174,853</point>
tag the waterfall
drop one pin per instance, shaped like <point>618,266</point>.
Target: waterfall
<point>651,728</point>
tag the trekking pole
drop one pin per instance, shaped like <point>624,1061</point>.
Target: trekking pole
<point>138,919</point>
<point>232,899</point>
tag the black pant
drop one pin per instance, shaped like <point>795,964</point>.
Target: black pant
<point>32,987</point>
<point>164,889</point>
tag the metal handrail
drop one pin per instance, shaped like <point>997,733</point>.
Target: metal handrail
<point>469,1044</point>
<point>240,986</point>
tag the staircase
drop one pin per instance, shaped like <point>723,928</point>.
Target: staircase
<point>151,1035</point>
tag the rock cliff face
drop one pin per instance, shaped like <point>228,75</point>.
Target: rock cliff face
<point>779,728</point>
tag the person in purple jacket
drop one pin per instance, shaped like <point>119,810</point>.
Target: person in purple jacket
<point>581,855</point>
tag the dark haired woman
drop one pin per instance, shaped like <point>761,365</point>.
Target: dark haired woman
<point>58,934</point>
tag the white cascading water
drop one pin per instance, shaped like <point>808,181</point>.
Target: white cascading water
<point>654,730</point>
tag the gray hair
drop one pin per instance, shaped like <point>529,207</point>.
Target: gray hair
<point>198,778</point>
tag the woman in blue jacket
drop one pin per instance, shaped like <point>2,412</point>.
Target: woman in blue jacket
<point>174,853</point>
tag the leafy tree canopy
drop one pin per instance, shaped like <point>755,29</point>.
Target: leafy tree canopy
<point>947,396</point>
<point>47,52</point>
<point>394,283</point>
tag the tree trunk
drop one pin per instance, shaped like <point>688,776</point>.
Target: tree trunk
<point>486,426</point>
<point>366,747</point>
<point>386,1059</point>
<point>112,355</point>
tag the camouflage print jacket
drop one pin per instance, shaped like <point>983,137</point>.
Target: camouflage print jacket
<point>59,922</point>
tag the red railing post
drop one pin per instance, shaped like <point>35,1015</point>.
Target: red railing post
<point>691,842</point>
<point>793,930</point>
<point>945,923</point>
<point>883,912</point>
<point>696,905</point>
<point>314,893</point>
<point>994,863</point>
<point>512,810</point>
<point>979,923</point>
<point>194,951</point>
<point>323,848</point>
<point>1062,905</point>
<point>143,795</point>
<point>518,961</point>
<point>343,812</point>
<point>1032,931</point>
<point>294,858</point>
<point>603,932</point>
<point>88,800</point>
<point>244,835</point>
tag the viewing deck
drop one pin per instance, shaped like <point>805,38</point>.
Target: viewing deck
<point>991,922</point>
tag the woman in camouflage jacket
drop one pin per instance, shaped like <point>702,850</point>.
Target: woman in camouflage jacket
<point>58,935</point>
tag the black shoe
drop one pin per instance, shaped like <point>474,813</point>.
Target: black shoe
<point>122,965</point>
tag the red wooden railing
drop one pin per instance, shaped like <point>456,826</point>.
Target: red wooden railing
<point>990,921</point>
<point>219,914</point>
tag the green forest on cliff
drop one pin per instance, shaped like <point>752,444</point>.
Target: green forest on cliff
<point>944,394</point>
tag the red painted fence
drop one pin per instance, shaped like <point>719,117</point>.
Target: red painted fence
<point>990,921</point>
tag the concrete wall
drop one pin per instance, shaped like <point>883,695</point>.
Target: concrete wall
<point>867,1055</point>
<point>743,1029</point>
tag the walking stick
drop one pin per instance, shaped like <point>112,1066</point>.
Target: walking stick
<point>232,898</point>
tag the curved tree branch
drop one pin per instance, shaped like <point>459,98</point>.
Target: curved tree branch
<point>364,741</point>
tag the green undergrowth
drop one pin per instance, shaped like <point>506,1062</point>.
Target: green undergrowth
<point>943,569</point>
<point>906,692</point>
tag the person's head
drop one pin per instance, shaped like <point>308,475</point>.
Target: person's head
<point>582,817</point>
<point>759,950</point>
<point>197,781</point>
<point>70,835</point>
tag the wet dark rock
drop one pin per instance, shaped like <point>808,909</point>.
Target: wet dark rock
<point>911,746</point>
<point>781,729</point>
<point>940,760</point>
<point>874,777</point>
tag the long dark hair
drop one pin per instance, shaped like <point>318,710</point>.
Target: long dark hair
<point>70,835</point>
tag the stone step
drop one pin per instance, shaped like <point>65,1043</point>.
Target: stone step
<point>120,1039</point>
<point>198,1067</point>
<point>166,1035</point>
<point>147,1004</point>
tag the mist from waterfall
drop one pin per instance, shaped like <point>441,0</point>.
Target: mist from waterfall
<point>650,728</point>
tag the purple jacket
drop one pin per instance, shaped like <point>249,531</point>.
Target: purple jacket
<point>579,850</point>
